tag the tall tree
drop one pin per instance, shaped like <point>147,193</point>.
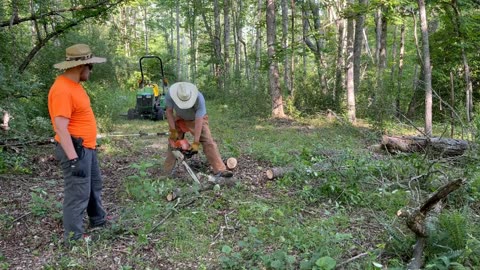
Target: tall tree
<point>273,74</point>
<point>286,76</point>
<point>226,40</point>
<point>315,39</point>
<point>351,111</point>
<point>466,67</point>
<point>427,71</point>
<point>177,27</point>
<point>340,62</point>
<point>358,42</point>
<point>258,44</point>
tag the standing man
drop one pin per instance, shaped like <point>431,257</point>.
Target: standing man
<point>76,132</point>
<point>191,116</point>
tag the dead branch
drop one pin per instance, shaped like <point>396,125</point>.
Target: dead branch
<point>351,259</point>
<point>416,221</point>
<point>207,183</point>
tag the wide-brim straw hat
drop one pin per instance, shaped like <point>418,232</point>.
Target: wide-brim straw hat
<point>184,94</point>
<point>77,55</point>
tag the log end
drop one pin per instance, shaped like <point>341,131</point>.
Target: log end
<point>231,163</point>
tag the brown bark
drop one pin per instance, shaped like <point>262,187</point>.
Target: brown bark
<point>351,112</point>
<point>357,46</point>
<point>277,172</point>
<point>427,71</point>
<point>275,93</point>
<point>436,145</point>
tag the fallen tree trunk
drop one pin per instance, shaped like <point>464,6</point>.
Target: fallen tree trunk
<point>416,221</point>
<point>410,144</point>
<point>206,184</point>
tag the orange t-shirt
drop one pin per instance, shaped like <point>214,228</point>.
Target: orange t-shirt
<point>68,99</point>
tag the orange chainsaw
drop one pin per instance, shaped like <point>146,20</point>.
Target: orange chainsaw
<point>181,150</point>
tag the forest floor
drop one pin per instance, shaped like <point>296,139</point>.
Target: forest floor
<point>290,223</point>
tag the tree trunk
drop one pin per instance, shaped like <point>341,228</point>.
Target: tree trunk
<point>357,46</point>
<point>177,27</point>
<point>427,71</point>
<point>218,46</point>
<point>258,45</point>
<point>226,43</point>
<point>416,95</point>
<point>145,29</point>
<point>292,61</point>
<point>192,20</point>
<point>466,66</point>
<point>452,104</point>
<point>439,146</point>
<point>349,62</point>
<point>286,54</point>
<point>276,95</point>
<point>398,108</point>
<point>339,69</point>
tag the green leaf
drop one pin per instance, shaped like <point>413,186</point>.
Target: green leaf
<point>226,249</point>
<point>326,263</point>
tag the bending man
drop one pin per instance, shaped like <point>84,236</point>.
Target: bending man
<point>186,112</point>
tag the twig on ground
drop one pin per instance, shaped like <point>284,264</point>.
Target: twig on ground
<point>351,259</point>
<point>20,217</point>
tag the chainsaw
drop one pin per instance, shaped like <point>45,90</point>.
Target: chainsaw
<point>181,150</point>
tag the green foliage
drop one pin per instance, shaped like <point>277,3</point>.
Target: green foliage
<point>3,263</point>
<point>249,254</point>
<point>42,205</point>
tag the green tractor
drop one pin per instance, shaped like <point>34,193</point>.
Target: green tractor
<point>150,99</point>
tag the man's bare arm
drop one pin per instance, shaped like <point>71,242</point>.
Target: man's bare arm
<point>61,124</point>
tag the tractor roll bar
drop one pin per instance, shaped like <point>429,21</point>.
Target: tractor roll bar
<point>141,69</point>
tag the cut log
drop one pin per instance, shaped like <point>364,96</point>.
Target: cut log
<point>273,173</point>
<point>5,119</point>
<point>208,183</point>
<point>231,163</point>
<point>409,144</point>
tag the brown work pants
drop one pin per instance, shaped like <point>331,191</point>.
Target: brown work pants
<point>209,146</point>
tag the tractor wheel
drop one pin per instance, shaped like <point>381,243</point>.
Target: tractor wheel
<point>131,114</point>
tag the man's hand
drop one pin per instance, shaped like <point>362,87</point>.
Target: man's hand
<point>77,168</point>
<point>194,147</point>
<point>173,134</point>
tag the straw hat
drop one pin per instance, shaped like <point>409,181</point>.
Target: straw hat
<point>77,55</point>
<point>184,94</point>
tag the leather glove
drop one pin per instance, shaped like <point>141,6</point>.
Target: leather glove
<point>173,134</point>
<point>194,147</point>
<point>78,169</point>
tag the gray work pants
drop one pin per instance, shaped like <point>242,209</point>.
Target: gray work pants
<point>80,194</point>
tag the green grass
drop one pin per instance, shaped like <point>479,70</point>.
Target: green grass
<point>339,200</point>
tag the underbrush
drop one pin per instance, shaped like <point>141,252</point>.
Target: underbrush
<point>335,207</point>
